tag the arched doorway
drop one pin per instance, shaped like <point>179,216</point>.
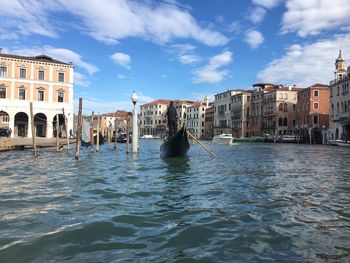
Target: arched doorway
<point>4,119</point>
<point>40,121</point>
<point>61,122</point>
<point>21,124</point>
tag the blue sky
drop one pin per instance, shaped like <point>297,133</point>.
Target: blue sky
<point>182,49</point>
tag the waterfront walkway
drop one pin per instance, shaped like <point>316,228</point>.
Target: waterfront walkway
<point>7,144</point>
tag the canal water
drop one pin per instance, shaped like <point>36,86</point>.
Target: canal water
<point>256,202</point>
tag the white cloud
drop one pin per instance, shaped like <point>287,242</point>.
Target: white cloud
<point>267,3</point>
<point>307,64</point>
<point>257,15</point>
<point>212,73</point>
<point>185,53</point>
<point>23,18</point>
<point>105,106</point>
<point>235,26</point>
<point>121,76</point>
<point>70,56</point>
<point>254,38</point>
<point>80,80</point>
<point>122,59</point>
<point>314,16</point>
<point>160,22</point>
<point>196,96</point>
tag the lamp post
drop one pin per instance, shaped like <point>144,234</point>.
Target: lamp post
<point>135,136</point>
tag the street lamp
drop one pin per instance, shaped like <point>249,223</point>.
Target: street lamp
<point>135,138</point>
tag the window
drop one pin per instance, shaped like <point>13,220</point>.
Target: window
<point>41,75</point>
<point>315,105</point>
<point>40,95</point>
<point>22,94</point>
<point>23,73</point>
<point>2,93</point>
<point>3,71</point>
<point>315,119</point>
<point>60,96</point>
<point>315,93</point>
<point>280,107</point>
<point>285,122</point>
<point>60,77</point>
<point>280,122</point>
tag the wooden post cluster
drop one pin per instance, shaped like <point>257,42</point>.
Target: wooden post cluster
<point>77,146</point>
<point>33,129</point>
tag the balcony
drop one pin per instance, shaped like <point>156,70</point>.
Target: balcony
<point>221,112</point>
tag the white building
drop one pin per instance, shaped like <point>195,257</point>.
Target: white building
<point>153,119</point>
<point>340,101</point>
<point>222,112</point>
<point>42,80</point>
<point>196,118</point>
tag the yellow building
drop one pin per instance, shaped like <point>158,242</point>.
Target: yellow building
<point>42,80</point>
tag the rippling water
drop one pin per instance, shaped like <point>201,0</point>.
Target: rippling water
<point>254,203</point>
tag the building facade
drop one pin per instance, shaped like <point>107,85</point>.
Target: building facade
<point>43,81</point>
<point>152,118</point>
<point>340,101</point>
<point>313,113</point>
<point>279,111</point>
<point>222,112</point>
<point>195,118</point>
<point>209,123</point>
<point>256,120</point>
<point>240,113</point>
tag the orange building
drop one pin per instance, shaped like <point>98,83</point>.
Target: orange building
<point>41,80</point>
<point>313,113</point>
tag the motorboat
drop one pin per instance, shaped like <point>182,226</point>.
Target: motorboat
<point>223,139</point>
<point>342,143</point>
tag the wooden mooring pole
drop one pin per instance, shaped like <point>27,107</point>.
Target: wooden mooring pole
<point>66,129</point>
<point>77,145</point>
<point>57,126</point>
<point>115,136</point>
<point>92,133</point>
<point>33,128</point>
<point>98,134</point>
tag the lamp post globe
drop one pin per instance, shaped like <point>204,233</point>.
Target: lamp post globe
<point>134,98</point>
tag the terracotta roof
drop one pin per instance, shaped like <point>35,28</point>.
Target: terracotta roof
<point>40,58</point>
<point>320,85</point>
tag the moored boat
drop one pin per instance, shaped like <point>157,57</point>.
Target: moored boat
<point>342,143</point>
<point>223,139</point>
<point>177,145</point>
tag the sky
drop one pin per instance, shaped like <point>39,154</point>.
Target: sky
<point>179,49</point>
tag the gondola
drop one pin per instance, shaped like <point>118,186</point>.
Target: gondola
<point>177,145</point>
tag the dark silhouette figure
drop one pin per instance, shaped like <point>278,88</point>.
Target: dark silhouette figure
<point>172,119</point>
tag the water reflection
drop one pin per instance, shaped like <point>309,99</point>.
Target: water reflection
<point>177,165</point>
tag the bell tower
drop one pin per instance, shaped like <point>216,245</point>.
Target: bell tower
<point>340,67</point>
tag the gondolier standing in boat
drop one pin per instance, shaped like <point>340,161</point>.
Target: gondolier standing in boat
<point>172,119</point>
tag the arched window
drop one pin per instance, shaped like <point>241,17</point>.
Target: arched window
<point>280,107</point>
<point>285,107</point>
<point>280,122</point>
<point>285,122</point>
